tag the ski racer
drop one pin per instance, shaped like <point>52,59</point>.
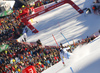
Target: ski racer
<point>64,53</point>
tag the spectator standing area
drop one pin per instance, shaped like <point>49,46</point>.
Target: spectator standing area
<point>16,56</point>
<point>19,56</point>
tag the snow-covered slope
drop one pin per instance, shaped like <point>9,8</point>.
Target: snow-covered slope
<point>72,24</point>
<point>85,59</point>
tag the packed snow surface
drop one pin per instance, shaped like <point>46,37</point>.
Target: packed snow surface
<point>67,20</point>
<point>85,59</point>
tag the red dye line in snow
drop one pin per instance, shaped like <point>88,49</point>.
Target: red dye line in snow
<point>59,70</point>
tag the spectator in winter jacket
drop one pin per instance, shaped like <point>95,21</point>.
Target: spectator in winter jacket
<point>99,31</point>
<point>22,55</point>
<point>39,43</point>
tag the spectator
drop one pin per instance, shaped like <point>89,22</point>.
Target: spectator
<point>99,31</point>
<point>39,43</point>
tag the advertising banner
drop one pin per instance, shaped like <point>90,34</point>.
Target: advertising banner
<point>23,38</point>
<point>3,47</point>
<point>48,5</point>
<point>38,9</point>
<point>29,69</point>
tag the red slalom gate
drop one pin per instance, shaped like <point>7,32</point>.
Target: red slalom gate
<point>28,24</point>
<point>25,19</point>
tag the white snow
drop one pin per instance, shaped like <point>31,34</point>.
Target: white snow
<point>72,24</point>
<point>85,59</point>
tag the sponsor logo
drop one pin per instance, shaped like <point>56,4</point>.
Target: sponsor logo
<point>28,24</point>
<point>49,5</point>
<point>73,4</point>
<point>30,70</point>
<point>39,9</point>
<point>42,12</point>
<point>57,5</point>
<point>79,9</point>
<point>32,16</point>
<point>33,29</point>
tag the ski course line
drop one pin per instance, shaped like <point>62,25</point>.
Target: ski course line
<point>59,69</point>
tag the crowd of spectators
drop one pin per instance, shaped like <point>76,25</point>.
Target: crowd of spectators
<point>18,56</point>
<point>12,24</point>
<point>96,7</point>
<point>10,27</point>
<point>42,2</point>
<point>81,42</point>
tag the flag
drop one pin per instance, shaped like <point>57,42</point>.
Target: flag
<point>5,13</point>
<point>3,47</point>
